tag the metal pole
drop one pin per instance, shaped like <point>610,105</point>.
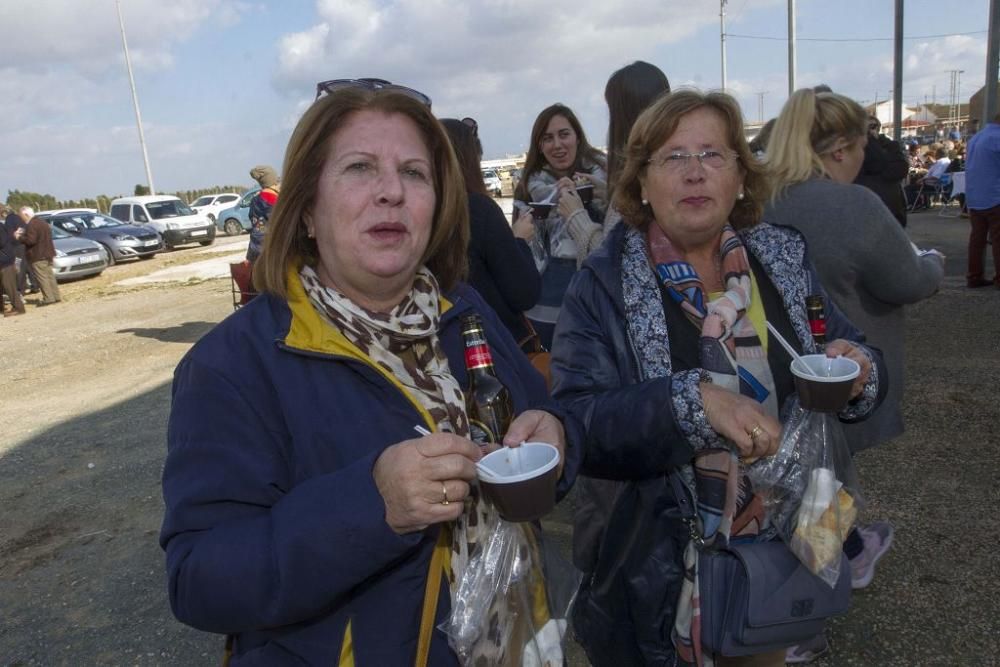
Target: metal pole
<point>722,39</point>
<point>135,101</point>
<point>897,75</point>
<point>791,47</point>
<point>992,58</point>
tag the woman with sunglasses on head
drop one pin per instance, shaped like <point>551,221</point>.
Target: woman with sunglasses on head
<point>663,353</point>
<point>864,258</point>
<point>501,266</point>
<point>305,517</point>
<point>559,160</point>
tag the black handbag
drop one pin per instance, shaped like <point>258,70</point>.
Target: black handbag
<point>758,597</point>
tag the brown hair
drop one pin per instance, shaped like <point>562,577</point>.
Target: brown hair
<point>656,125</point>
<point>287,243</point>
<point>465,143</point>
<point>535,161</point>
<point>628,92</point>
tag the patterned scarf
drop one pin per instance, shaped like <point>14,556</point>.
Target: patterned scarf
<point>404,342</point>
<point>731,353</point>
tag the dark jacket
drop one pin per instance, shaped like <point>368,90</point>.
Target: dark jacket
<point>883,172</point>
<point>274,528</point>
<point>7,255</point>
<point>625,611</point>
<point>501,267</point>
<point>37,241</point>
<point>261,206</point>
<point>12,223</point>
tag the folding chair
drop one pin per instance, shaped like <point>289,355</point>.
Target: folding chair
<point>241,275</point>
<point>930,188</point>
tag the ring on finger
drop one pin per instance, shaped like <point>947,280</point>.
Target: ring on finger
<point>755,433</point>
<point>444,493</point>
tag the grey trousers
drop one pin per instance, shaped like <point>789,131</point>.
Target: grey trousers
<point>41,272</point>
<point>8,286</point>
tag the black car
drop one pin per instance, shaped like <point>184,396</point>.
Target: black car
<point>122,241</point>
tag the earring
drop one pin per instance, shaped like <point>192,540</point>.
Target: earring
<point>645,202</point>
<point>740,196</point>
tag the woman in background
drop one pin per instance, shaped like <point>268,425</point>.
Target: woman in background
<point>501,266</point>
<point>558,158</point>
<point>864,260</point>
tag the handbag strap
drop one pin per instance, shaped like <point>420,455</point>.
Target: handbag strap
<point>686,506</point>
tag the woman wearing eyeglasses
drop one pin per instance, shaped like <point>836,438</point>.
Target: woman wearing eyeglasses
<point>305,516</point>
<point>559,159</point>
<point>663,353</point>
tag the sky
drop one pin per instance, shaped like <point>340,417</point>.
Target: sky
<point>221,83</point>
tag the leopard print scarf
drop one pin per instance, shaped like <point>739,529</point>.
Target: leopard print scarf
<point>405,343</point>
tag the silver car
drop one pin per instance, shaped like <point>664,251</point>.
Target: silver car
<point>121,241</point>
<point>75,257</point>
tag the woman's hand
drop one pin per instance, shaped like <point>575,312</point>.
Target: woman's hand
<point>600,187</point>
<point>569,203</point>
<point>524,225</point>
<point>742,421</point>
<point>538,426</point>
<point>425,480</point>
<point>851,351</point>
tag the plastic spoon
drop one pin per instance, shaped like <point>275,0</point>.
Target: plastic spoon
<point>789,349</point>
<point>483,470</point>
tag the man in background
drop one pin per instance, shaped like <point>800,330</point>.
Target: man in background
<point>884,170</point>
<point>260,207</point>
<point>8,272</point>
<point>982,196</point>
<point>39,251</point>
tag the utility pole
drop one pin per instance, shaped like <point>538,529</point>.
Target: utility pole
<point>135,101</point>
<point>992,59</point>
<point>722,39</point>
<point>897,75</point>
<point>791,47</point>
<point>760,106</point>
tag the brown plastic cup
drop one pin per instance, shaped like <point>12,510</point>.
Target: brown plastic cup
<point>539,210</point>
<point>522,485</point>
<point>586,193</point>
<point>831,390</point>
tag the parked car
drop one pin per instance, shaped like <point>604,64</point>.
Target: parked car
<point>491,179</point>
<point>172,218</point>
<point>236,219</point>
<point>120,240</point>
<point>210,205</point>
<point>76,257</point>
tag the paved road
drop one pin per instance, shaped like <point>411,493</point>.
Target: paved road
<point>81,575</point>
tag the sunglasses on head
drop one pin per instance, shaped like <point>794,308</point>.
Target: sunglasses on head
<point>333,85</point>
<point>471,122</point>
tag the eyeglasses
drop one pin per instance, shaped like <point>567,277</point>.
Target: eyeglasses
<point>679,162</point>
<point>333,85</point>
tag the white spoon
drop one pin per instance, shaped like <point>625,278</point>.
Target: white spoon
<point>788,348</point>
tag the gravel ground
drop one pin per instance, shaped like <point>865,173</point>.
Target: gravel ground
<point>86,392</point>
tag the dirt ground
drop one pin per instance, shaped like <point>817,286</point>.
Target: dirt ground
<point>85,396</point>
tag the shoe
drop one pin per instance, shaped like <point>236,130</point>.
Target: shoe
<point>12,313</point>
<point>979,282</point>
<point>877,538</point>
<point>807,651</point>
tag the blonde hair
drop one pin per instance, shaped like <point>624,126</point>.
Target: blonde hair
<point>287,242</point>
<point>657,124</point>
<point>810,125</point>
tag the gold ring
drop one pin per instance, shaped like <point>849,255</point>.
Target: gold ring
<point>755,432</point>
<point>444,492</point>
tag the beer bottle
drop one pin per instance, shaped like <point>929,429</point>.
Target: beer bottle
<point>488,401</point>
<point>816,313</point>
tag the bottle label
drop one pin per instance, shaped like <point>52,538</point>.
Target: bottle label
<point>480,433</point>
<point>478,356</point>
<point>818,327</point>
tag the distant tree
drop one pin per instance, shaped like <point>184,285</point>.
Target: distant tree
<point>16,199</point>
<point>141,190</point>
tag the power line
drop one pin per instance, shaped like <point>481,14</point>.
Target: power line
<point>860,39</point>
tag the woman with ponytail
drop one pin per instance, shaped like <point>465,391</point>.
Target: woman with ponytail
<point>864,260</point>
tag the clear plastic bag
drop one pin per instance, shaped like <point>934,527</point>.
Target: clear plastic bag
<point>511,605</point>
<point>810,489</point>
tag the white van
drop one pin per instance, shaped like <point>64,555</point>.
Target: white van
<point>176,222</point>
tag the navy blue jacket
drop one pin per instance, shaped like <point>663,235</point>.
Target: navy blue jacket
<point>625,611</point>
<point>274,528</point>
